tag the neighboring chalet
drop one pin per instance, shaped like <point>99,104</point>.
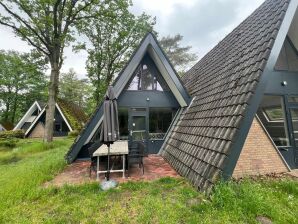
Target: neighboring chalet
<point>68,117</point>
<point>235,113</point>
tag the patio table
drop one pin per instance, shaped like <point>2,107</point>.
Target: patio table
<point>117,148</point>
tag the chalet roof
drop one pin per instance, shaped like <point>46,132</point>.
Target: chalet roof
<point>223,85</point>
<point>74,114</point>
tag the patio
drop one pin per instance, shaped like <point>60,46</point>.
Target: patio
<point>78,172</point>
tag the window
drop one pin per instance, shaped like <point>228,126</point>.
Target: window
<point>272,114</point>
<point>159,122</point>
<point>58,127</point>
<point>145,78</point>
<point>288,57</point>
<point>293,99</point>
<point>123,122</point>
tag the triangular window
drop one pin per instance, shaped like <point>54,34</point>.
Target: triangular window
<point>288,57</point>
<point>146,77</point>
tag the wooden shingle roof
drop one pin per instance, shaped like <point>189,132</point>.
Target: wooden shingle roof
<point>221,84</point>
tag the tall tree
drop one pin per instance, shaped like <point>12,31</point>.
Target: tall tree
<point>180,56</point>
<point>113,36</point>
<point>22,81</point>
<point>76,90</point>
<point>48,26</point>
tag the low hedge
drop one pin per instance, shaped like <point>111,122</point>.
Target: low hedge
<point>73,133</point>
<point>12,134</point>
<point>8,143</point>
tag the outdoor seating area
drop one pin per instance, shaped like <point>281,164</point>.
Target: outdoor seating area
<point>155,167</point>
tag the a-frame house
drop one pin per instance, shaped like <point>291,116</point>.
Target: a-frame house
<point>68,117</point>
<point>242,114</point>
<point>150,96</point>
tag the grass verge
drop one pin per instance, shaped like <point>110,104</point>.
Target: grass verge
<point>168,200</point>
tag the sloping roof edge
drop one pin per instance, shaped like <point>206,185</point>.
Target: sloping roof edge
<point>22,120</point>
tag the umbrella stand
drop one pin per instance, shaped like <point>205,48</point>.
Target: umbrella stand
<point>108,171</point>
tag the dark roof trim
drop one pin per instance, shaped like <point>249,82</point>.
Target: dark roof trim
<point>255,101</point>
<point>28,114</point>
<point>148,44</point>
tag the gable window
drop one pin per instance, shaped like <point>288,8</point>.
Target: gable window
<point>146,78</point>
<point>288,57</point>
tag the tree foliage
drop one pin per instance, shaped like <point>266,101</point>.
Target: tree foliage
<point>49,26</point>
<point>75,90</point>
<point>22,81</point>
<point>180,56</point>
<point>112,38</point>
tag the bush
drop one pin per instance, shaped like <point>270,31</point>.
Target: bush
<point>12,134</point>
<point>73,134</point>
<point>8,143</point>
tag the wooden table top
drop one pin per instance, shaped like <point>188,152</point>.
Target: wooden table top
<point>117,148</point>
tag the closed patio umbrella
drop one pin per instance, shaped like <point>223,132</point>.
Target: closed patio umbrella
<point>110,125</point>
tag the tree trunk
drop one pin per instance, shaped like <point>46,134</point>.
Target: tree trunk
<point>50,109</point>
<point>14,109</point>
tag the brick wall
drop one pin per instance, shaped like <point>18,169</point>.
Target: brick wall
<point>38,131</point>
<point>258,156</point>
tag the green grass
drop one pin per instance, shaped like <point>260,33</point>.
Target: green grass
<point>23,199</point>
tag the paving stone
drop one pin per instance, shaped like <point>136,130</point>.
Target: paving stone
<point>78,172</point>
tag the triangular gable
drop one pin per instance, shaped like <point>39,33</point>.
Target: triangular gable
<point>148,45</point>
<point>227,86</point>
<point>35,106</point>
<point>35,122</point>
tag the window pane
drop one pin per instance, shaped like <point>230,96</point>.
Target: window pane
<point>156,85</point>
<point>138,128</point>
<point>123,123</point>
<point>293,99</point>
<point>288,57</point>
<point>294,115</point>
<point>146,78</point>
<point>159,122</point>
<point>136,81</point>
<point>272,114</point>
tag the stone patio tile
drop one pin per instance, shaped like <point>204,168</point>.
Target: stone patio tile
<point>78,172</point>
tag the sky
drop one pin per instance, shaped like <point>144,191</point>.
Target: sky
<point>202,23</point>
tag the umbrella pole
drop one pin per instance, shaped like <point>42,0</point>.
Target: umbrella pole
<point>108,172</point>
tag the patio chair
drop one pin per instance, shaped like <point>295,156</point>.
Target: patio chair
<point>93,160</point>
<point>135,156</point>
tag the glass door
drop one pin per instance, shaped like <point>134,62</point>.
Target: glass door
<point>294,119</point>
<point>293,109</point>
<point>138,127</point>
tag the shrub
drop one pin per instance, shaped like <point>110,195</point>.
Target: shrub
<point>12,134</point>
<point>8,143</point>
<point>73,133</point>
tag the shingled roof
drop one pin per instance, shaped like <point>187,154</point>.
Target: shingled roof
<point>222,85</point>
<point>74,114</point>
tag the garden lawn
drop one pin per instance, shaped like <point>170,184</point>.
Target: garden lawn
<point>30,163</point>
